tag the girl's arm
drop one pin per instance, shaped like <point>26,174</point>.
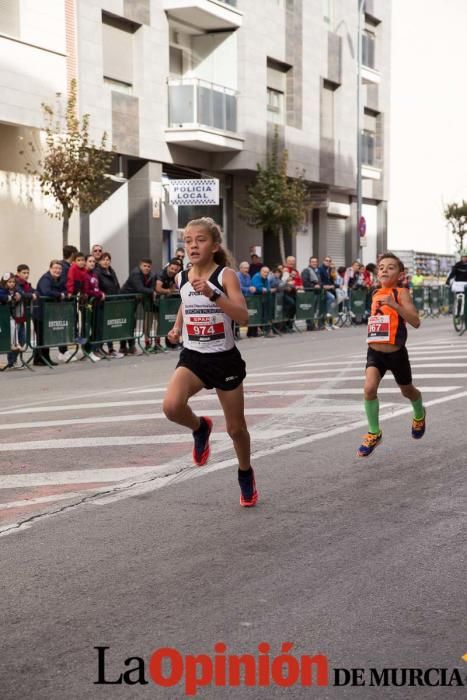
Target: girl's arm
<point>175,333</point>
<point>404,308</point>
<point>234,304</point>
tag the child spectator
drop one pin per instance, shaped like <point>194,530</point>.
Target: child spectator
<point>94,293</point>
<point>77,277</point>
<point>109,284</point>
<point>11,296</point>
<point>50,285</point>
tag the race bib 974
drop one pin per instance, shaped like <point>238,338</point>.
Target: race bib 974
<point>379,328</point>
<point>205,328</point>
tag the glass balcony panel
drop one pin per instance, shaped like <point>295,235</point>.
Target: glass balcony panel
<point>214,107</point>
<point>231,113</point>
<point>218,104</point>
<point>181,105</point>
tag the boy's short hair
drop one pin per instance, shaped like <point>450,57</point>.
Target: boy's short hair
<point>69,251</point>
<point>393,257</point>
<point>176,261</point>
<point>106,255</point>
<point>22,267</point>
<point>148,261</point>
<point>77,255</point>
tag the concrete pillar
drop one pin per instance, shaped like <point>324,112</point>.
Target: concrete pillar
<point>145,232</point>
<point>319,218</point>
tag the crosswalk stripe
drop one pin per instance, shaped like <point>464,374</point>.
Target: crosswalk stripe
<point>350,407</point>
<point>129,440</point>
<point>384,390</point>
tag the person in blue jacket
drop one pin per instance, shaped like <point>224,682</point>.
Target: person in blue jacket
<point>262,284</point>
<point>50,285</point>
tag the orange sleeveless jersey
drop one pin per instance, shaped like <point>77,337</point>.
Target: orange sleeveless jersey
<point>397,325</point>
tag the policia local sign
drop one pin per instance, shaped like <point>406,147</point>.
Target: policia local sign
<point>194,192</point>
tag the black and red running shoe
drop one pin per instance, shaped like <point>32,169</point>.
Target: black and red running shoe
<point>248,492</point>
<point>201,449</point>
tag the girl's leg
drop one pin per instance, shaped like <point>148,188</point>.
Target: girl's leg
<point>372,382</point>
<point>232,403</point>
<point>181,387</point>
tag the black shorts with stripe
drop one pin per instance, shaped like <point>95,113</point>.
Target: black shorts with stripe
<point>217,370</point>
<point>396,362</point>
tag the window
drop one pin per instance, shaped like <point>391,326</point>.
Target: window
<point>368,49</point>
<point>117,42</point>
<point>328,11</point>
<point>276,88</point>
<point>9,17</point>
<point>327,110</point>
<point>368,147</point>
<point>275,106</point>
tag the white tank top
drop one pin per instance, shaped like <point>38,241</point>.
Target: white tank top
<point>206,328</point>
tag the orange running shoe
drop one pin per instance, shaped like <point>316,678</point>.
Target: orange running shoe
<point>370,442</point>
<point>248,492</point>
<point>201,449</point>
<point>418,426</point>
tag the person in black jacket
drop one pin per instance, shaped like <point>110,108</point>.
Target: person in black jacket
<point>50,285</point>
<point>109,284</point>
<point>141,281</point>
<point>459,270</point>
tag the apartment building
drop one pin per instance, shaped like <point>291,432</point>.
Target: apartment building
<point>192,90</point>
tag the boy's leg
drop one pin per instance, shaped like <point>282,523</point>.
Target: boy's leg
<point>372,382</point>
<point>181,387</point>
<point>419,413</point>
<point>372,439</point>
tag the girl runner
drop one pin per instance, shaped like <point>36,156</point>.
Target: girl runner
<point>211,302</point>
<point>391,308</point>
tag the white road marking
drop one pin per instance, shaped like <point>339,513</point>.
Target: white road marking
<point>334,392</point>
<point>128,440</point>
<point>43,499</point>
<point>349,407</point>
<point>12,481</point>
<point>122,491</point>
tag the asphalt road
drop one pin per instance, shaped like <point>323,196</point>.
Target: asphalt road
<point>110,538</point>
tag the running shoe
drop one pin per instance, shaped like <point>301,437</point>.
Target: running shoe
<point>201,449</point>
<point>418,427</point>
<point>370,442</point>
<point>248,492</point>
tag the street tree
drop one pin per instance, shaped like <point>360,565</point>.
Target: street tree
<point>71,168</point>
<point>275,201</point>
<point>455,214</point>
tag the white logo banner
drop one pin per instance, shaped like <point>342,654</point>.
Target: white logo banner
<point>194,192</point>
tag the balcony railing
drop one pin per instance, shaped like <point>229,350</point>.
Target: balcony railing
<point>198,103</point>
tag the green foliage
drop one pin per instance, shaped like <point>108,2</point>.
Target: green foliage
<point>72,169</point>
<point>456,215</point>
<point>276,202</point>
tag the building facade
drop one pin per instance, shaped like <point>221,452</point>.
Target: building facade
<point>194,89</point>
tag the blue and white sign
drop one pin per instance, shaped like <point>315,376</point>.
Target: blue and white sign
<point>194,192</point>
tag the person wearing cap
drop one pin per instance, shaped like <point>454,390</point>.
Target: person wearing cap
<point>459,270</point>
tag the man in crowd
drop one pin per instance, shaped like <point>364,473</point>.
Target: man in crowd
<point>255,265</point>
<point>141,281</point>
<point>96,252</point>
<point>311,281</point>
<point>166,286</point>
<point>245,279</point>
<point>327,283</point>
<point>50,285</point>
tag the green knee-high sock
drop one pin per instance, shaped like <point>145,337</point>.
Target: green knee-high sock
<point>418,410</point>
<point>372,413</point>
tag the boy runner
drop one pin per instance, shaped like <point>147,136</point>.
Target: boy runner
<point>391,308</point>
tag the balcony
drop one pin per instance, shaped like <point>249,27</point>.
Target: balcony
<point>208,15</point>
<point>202,115</point>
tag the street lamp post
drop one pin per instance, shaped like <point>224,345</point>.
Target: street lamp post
<point>359,120</point>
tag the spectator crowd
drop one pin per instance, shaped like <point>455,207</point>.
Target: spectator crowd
<point>91,278</point>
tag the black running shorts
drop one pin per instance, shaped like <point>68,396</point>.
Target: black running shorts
<point>396,362</point>
<point>217,370</point>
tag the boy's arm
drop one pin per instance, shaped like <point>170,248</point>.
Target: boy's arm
<point>404,308</point>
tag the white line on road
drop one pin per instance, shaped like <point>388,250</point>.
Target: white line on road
<point>151,483</point>
<point>349,407</point>
<point>333,392</point>
<point>128,440</point>
<point>122,492</point>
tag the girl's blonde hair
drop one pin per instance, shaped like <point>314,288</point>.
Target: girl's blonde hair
<point>222,256</point>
